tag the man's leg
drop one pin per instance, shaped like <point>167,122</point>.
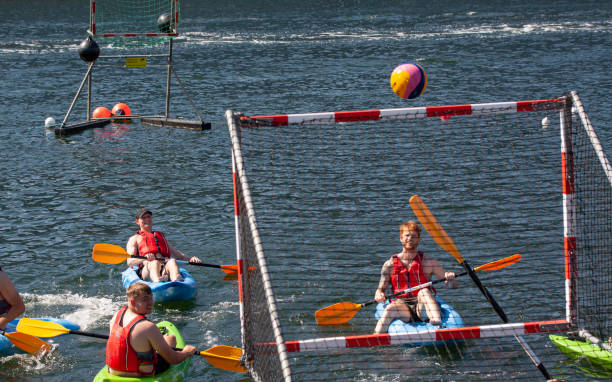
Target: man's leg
<point>153,271</point>
<point>396,309</point>
<point>427,300</point>
<point>171,269</point>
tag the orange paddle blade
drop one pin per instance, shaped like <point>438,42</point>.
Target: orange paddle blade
<point>499,264</point>
<point>229,269</point>
<point>225,357</point>
<point>337,314</point>
<point>109,254</point>
<point>28,343</point>
<point>434,228</point>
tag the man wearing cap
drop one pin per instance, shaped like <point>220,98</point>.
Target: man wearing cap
<point>157,262</point>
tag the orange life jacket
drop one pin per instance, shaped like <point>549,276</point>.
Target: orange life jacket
<point>120,355</point>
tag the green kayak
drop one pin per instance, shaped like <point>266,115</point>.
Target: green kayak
<point>175,373</point>
<point>580,349</point>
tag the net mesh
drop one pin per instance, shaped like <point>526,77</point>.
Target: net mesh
<point>594,232</point>
<point>112,20</point>
<point>325,202</point>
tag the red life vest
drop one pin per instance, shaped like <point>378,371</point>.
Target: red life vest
<point>120,355</point>
<point>153,243</point>
<point>403,277</point>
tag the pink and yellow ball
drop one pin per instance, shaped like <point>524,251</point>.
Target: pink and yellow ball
<point>408,80</point>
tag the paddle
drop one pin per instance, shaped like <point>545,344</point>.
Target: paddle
<point>342,312</point>
<point>114,254</point>
<point>221,357</point>
<point>27,343</point>
<point>440,236</point>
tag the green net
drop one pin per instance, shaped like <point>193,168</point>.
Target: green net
<point>134,23</point>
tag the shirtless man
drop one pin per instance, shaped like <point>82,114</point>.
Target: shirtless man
<point>136,347</point>
<point>157,261</point>
<point>405,270</point>
<point>11,304</point>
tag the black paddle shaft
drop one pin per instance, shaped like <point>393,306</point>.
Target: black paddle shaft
<point>95,335</point>
<point>484,291</point>
<point>199,264</point>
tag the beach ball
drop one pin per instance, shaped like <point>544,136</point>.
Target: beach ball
<point>121,109</point>
<point>101,112</point>
<point>408,80</point>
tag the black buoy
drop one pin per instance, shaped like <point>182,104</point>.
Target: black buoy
<point>163,23</point>
<point>89,50</point>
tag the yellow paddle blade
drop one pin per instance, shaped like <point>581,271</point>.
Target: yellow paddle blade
<point>40,328</point>
<point>337,314</point>
<point>498,264</point>
<point>109,254</point>
<point>434,228</point>
<point>225,358</point>
<point>28,344</point>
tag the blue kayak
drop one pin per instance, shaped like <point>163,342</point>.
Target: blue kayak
<point>7,347</point>
<point>164,291</point>
<point>450,319</point>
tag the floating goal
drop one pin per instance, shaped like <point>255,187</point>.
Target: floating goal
<point>319,198</point>
<point>131,34</point>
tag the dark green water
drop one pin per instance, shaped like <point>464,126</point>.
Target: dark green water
<point>62,196</point>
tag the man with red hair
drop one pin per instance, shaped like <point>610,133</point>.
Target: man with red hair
<point>408,269</point>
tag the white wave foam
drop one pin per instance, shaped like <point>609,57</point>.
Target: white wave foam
<point>83,310</point>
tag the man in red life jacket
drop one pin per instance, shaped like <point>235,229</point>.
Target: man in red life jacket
<point>405,270</point>
<point>136,347</point>
<point>11,304</point>
<point>157,261</point>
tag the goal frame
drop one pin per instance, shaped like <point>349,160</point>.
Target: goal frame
<point>565,106</point>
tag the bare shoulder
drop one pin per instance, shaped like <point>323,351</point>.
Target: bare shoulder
<point>6,285</point>
<point>132,244</point>
<point>133,238</point>
<point>387,265</point>
<point>428,260</point>
<point>147,328</point>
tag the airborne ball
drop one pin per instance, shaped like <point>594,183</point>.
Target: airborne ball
<point>408,80</point>
<point>163,23</point>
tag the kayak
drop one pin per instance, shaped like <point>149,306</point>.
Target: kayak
<point>174,373</point>
<point>164,291</point>
<point>580,349</point>
<point>7,347</point>
<point>450,319</point>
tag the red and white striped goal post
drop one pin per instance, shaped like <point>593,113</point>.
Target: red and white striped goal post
<point>402,113</point>
<point>457,334</point>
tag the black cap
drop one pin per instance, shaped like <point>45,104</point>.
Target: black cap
<point>142,211</point>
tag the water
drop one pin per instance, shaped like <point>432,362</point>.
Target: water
<point>62,196</point>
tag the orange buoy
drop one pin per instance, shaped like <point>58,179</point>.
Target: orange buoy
<point>101,112</point>
<point>121,109</point>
